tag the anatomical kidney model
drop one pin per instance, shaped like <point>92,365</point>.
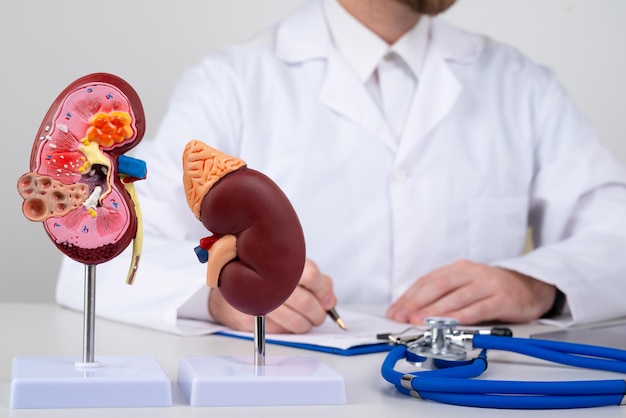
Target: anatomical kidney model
<point>255,256</point>
<point>80,184</point>
<point>257,249</point>
<point>81,187</point>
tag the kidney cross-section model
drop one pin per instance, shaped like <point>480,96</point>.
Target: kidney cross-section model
<point>257,252</point>
<point>80,185</point>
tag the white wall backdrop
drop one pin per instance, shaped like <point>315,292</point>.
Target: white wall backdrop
<point>45,45</point>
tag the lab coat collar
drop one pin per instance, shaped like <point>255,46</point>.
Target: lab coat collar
<point>305,36</point>
<point>438,86</point>
<point>349,36</point>
<point>453,44</point>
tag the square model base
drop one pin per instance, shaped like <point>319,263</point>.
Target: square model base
<point>236,381</point>
<point>112,382</point>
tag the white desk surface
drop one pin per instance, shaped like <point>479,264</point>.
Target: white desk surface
<point>48,330</point>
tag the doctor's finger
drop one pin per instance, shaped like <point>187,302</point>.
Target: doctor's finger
<point>511,297</point>
<point>303,301</point>
<point>486,309</point>
<point>458,300</point>
<point>428,290</point>
<point>286,320</point>
<point>495,306</point>
<point>318,284</point>
<point>462,276</point>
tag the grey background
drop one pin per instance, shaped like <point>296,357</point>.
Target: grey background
<point>45,45</point>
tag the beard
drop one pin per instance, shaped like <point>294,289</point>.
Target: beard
<point>428,7</point>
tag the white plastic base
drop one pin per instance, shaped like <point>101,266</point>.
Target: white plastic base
<point>66,382</point>
<point>235,381</point>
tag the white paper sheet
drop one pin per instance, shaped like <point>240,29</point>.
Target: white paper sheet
<point>362,330</point>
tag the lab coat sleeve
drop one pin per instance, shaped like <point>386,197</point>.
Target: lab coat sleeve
<point>169,293</point>
<point>577,216</point>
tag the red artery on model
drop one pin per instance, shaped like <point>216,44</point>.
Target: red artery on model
<point>257,251</point>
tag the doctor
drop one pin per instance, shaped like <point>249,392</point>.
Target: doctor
<point>417,157</point>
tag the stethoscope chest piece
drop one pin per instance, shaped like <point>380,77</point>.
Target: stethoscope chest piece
<point>437,342</point>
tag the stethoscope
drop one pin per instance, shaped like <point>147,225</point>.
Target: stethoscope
<point>442,349</point>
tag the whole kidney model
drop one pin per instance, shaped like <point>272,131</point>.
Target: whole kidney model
<point>256,252</point>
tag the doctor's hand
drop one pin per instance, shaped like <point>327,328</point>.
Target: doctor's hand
<point>472,293</point>
<point>304,309</point>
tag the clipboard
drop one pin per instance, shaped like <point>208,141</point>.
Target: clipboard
<point>351,351</point>
<point>361,337</point>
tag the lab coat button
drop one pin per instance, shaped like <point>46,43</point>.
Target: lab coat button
<point>390,56</point>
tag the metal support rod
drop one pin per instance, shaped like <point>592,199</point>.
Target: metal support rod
<point>259,340</point>
<point>89,314</point>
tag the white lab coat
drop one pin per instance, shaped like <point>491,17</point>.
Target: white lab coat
<point>492,145</point>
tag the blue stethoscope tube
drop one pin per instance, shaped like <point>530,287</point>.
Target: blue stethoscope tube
<point>450,384</point>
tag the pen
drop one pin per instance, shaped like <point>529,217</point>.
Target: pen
<point>335,316</point>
